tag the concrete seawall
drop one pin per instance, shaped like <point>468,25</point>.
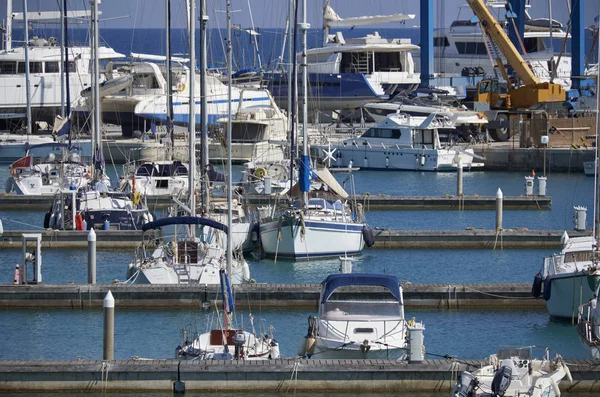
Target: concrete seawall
<point>438,296</point>
<point>282,375</point>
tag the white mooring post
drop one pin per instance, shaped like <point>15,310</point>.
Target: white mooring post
<point>580,218</point>
<point>542,185</point>
<point>499,209</point>
<point>529,182</point>
<point>416,348</point>
<point>109,327</point>
<point>91,256</point>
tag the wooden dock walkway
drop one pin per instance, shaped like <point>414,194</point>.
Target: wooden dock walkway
<point>370,202</point>
<point>384,238</point>
<point>436,296</point>
<point>277,376</point>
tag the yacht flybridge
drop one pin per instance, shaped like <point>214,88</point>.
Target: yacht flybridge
<point>462,49</point>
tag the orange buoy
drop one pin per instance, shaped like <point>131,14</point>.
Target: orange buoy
<point>78,222</point>
<point>532,172</point>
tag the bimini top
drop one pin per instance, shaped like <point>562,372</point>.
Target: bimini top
<point>336,281</point>
<point>184,220</point>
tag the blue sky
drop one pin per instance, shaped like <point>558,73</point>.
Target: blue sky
<point>272,13</point>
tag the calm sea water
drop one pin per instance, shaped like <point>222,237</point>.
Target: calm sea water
<point>66,334</point>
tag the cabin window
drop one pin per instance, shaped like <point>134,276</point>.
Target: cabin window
<point>363,330</point>
<point>441,42</point>
<point>388,62</point>
<point>532,44</point>
<point>52,67</point>
<point>423,138</point>
<point>471,48</point>
<point>34,67</point>
<point>484,87</point>
<point>8,67</point>
<point>382,133</point>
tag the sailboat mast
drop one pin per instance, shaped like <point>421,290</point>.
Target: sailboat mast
<point>96,84</point>
<point>596,228</point>
<point>293,82</point>
<point>66,101</point>
<point>169,83</point>
<point>192,123</point>
<point>229,179</point>
<point>304,26</point>
<point>63,18</point>
<point>203,105</point>
<point>9,21</point>
<point>27,83</point>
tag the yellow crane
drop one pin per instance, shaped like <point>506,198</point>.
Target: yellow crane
<point>502,98</point>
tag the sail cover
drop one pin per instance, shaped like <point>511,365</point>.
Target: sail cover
<point>332,19</point>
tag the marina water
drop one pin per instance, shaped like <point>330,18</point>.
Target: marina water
<point>67,334</point>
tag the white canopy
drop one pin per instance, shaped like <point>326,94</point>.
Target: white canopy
<point>332,19</point>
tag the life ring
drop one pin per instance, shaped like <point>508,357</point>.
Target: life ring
<point>182,88</point>
<point>260,172</point>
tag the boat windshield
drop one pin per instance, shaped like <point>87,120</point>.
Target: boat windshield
<point>344,310</point>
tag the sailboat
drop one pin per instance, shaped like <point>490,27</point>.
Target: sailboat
<point>194,249</point>
<point>317,227</point>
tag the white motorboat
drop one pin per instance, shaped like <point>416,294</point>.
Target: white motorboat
<point>461,49</point>
<point>588,325</point>
<point>570,278</point>
<point>258,133</point>
<point>46,71</point>
<point>32,175</point>
<point>404,142</point>
<point>514,373</point>
<point>386,64</point>
<point>350,328</point>
<point>468,123</point>
<point>227,342</point>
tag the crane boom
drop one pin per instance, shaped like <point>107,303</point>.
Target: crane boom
<point>497,34</point>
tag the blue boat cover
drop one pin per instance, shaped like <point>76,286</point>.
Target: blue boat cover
<point>336,281</point>
<point>184,220</point>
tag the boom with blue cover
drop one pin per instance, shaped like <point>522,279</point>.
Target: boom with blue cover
<point>184,220</point>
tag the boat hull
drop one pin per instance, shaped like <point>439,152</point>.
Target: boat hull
<point>319,239</point>
<point>338,350</point>
<point>567,292</point>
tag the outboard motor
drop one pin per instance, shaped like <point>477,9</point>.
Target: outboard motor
<point>466,384</point>
<point>238,340</point>
<point>501,381</point>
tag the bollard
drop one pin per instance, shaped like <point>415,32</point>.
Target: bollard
<point>459,179</point>
<point>529,181</point>
<point>542,185</point>
<point>415,343</point>
<point>499,197</point>
<point>580,218</point>
<point>91,256</point>
<point>109,327</point>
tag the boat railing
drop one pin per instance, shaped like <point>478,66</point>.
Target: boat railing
<point>588,326</point>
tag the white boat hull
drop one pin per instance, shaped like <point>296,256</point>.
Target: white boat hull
<point>320,239</point>
<point>245,152</point>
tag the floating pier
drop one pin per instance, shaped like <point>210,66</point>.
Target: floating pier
<point>15,202</point>
<point>384,238</point>
<point>87,296</point>
<point>278,376</point>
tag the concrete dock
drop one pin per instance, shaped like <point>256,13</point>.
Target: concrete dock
<point>384,238</point>
<point>278,376</point>
<point>370,201</point>
<point>86,296</point>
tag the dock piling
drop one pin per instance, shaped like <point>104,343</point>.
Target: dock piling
<point>91,256</point>
<point>109,327</point>
<point>459,179</point>
<point>499,198</point>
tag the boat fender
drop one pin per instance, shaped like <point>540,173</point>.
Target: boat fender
<point>78,222</point>
<point>9,185</point>
<point>387,162</point>
<point>368,236</point>
<point>274,350</point>
<point>260,172</point>
<point>547,287</point>
<point>47,219</point>
<point>501,381</point>
<point>555,386</point>
<point>52,221</point>
<point>246,271</point>
<point>536,288</point>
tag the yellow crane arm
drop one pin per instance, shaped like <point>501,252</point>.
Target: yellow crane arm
<point>497,34</point>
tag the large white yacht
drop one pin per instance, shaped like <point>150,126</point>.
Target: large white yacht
<point>461,49</point>
<point>404,142</point>
<point>46,74</point>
